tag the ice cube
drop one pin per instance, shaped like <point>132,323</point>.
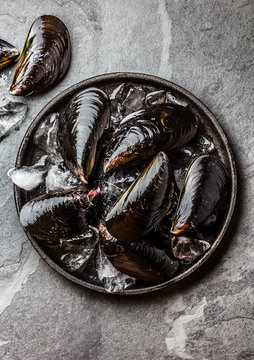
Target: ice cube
<point>78,251</point>
<point>112,279</point>
<point>109,188</point>
<point>117,97</point>
<point>171,99</point>
<point>155,97</point>
<point>187,249</point>
<point>187,151</point>
<point>27,177</point>
<point>45,136</point>
<point>179,175</point>
<point>115,119</point>
<point>206,145</point>
<point>134,100</point>
<point>60,178</point>
<point>11,116</point>
<point>125,99</point>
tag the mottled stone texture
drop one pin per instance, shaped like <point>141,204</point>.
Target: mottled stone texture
<point>206,47</point>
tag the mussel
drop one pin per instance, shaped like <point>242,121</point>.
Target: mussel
<point>142,206</point>
<point>59,215</point>
<point>81,128</point>
<point>45,58</point>
<point>8,53</point>
<point>202,199</point>
<point>146,132</point>
<point>145,259</point>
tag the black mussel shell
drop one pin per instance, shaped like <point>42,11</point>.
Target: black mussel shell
<point>8,53</point>
<point>203,197</point>
<point>59,215</point>
<point>81,128</point>
<point>144,259</point>
<point>141,135</point>
<point>45,58</point>
<point>142,206</point>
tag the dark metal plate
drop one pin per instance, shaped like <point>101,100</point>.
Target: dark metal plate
<point>108,83</point>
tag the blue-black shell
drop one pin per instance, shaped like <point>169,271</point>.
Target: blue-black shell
<point>141,135</point>
<point>202,199</point>
<point>81,128</point>
<point>142,206</point>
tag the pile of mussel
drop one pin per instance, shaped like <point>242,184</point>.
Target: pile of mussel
<point>152,229</point>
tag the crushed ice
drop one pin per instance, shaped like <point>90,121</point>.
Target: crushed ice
<point>125,99</point>
<point>206,145</point>
<point>79,250</point>
<point>155,97</point>
<point>11,116</point>
<point>112,279</point>
<point>171,99</point>
<point>187,249</point>
<point>45,136</point>
<point>134,100</point>
<point>60,178</point>
<point>50,167</point>
<point>27,177</point>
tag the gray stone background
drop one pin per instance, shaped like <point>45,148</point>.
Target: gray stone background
<point>206,47</point>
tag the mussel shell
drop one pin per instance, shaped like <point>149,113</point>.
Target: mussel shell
<point>59,215</point>
<point>141,135</point>
<point>144,259</point>
<point>203,196</point>
<point>45,57</point>
<point>8,53</point>
<point>142,206</point>
<point>81,128</point>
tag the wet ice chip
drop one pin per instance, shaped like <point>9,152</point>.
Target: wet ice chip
<point>60,178</point>
<point>41,161</point>
<point>206,145</point>
<point>120,92</point>
<point>53,159</point>
<point>187,152</point>
<point>115,119</point>
<point>135,100</point>
<point>179,175</point>
<point>11,116</point>
<point>45,136</point>
<point>155,97</point>
<point>114,185</point>
<point>27,177</point>
<point>117,96</point>
<point>112,279</point>
<point>75,261</point>
<point>79,250</point>
<point>187,249</point>
<point>125,99</point>
<point>109,188</point>
<point>171,99</point>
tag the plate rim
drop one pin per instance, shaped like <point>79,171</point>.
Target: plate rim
<point>131,76</point>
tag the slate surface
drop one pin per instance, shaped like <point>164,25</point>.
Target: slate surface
<point>206,47</point>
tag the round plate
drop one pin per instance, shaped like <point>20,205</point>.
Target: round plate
<point>108,83</point>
